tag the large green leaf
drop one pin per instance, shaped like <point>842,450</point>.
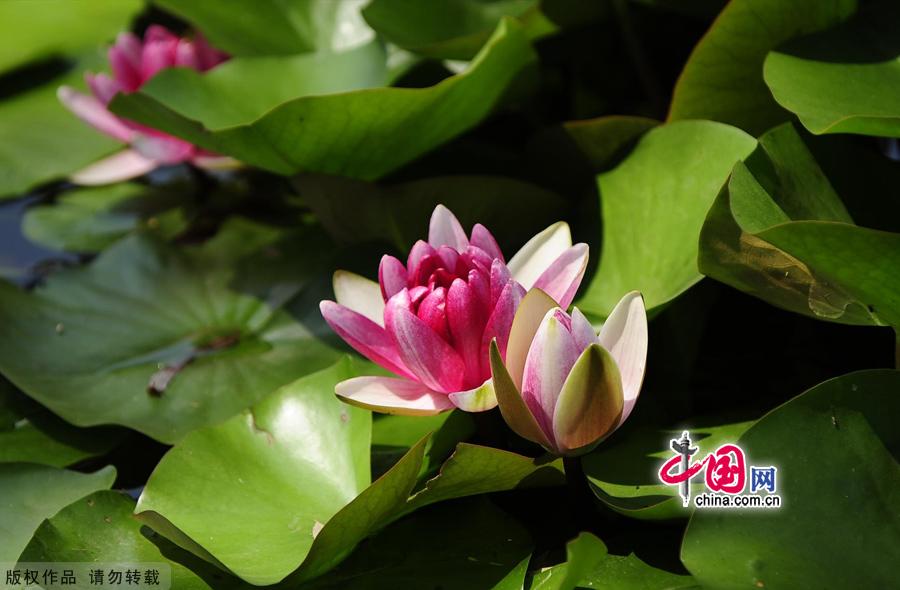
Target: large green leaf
<point>722,79</point>
<point>41,140</point>
<point>275,27</point>
<point>362,134</point>
<point>36,29</point>
<point>29,433</point>
<point>30,493</point>
<point>90,219</point>
<point>653,207</point>
<point>452,29</point>
<point>778,231</point>
<point>836,449</point>
<point>588,565</point>
<point>283,502</point>
<point>845,80</point>
<point>624,473</point>
<point>255,491</point>
<point>353,210</point>
<point>99,529</point>
<point>155,338</point>
<point>458,546</point>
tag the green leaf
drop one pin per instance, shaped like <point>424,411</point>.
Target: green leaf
<point>29,433</point>
<point>722,79</point>
<point>40,139</point>
<point>353,210</point>
<point>778,231</point>
<point>275,27</point>
<point>362,134</point>
<point>452,29</point>
<point>100,528</point>
<point>394,435</point>
<point>835,446</point>
<point>31,32</point>
<point>280,470</point>
<point>157,338</point>
<point>623,472</point>
<point>604,139</point>
<point>460,545</point>
<point>588,565</point>
<point>844,80</point>
<point>89,220</point>
<point>653,205</point>
<point>30,493</point>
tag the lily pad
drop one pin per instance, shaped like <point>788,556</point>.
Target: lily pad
<point>361,134</point>
<point>478,547</point>
<point>54,28</point>
<point>29,433</point>
<point>589,565</point>
<point>624,473</point>
<point>844,80</point>
<point>40,139</point>
<point>722,79</point>
<point>100,529</point>
<point>778,231</point>
<point>836,448</point>
<point>89,220</point>
<point>653,205</point>
<point>276,27</point>
<point>154,338</point>
<point>29,493</point>
<point>453,29</point>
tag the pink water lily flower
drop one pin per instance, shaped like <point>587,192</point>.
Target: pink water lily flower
<point>431,321</point>
<point>564,386</point>
<point>133,63</point>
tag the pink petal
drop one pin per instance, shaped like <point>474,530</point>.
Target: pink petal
<point>163,148</point>
<point>91,111</point>
<point>125,61</point>
<point>480,285</point>
<point>433,311</point>
<point>186,55</point>
<point>445,229</point>
<point>157,55</point>
<point>359,294</point>
<point>364,335</point>
<point>392,396</point>
<point>483,239</point>
<point>500,321</point>
<point>550,358</point>
<point>419,252</point>
<point>563,277</point>
<point>500,276</point>
<point>466,318</point>
<point>124,165</point>
<point>539,252</point>
<point>207,55</point>
<point>159,33</point>
<point>102,86</point>
<point>391,276</point>
<point>449,258</point>
<point>625,336</point>
<point>582,330</point>
<point>428,356</point>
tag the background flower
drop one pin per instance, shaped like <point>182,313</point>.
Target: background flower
<point>133,62</point>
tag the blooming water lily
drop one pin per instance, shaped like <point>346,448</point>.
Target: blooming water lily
<point>563,386</point>
<point>431,321</point>
<point>133,63</point>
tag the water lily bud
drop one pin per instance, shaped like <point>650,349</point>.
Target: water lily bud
<point>431,320</point>
<point>560,384</point>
